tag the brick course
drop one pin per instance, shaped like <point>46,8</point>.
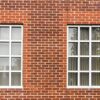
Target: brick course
<point>44,66</point>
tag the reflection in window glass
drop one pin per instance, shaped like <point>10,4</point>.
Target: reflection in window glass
<point>96,48</point>
<point>96,33</point>
<point>73,33</point>
<point>73,48</point>
<point>4,48</point>
<point>16,33</point>
<point>4,63</point>
<point>16,63</point>
<point>4,33</point>
<point>16,48</point>
<point>4,78</point>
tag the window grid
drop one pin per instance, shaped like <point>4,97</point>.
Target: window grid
<point>10,56</point>
<point>90,56</point>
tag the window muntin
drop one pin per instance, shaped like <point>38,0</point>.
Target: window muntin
<point>83,56</point>
<point>11,56</point>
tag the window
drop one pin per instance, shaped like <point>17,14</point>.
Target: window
<point>11,56</point>
<point>83,56</point>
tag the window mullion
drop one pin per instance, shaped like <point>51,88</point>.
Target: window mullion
<point>90,50</point>
<point>10,57</point>
<point>78,56</point>
<point>21,55</point>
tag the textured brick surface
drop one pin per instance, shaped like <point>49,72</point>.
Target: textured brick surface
<point>44,66</point>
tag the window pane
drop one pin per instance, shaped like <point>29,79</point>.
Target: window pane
<point>15,79</point>
<point>84,79</point>
<point>84,48</point>
<point>4,63</point>
<point>96,79</point>
<point>84,63</point>
<point>96,48</point>
<point>72,63</point>
<point>73,33</point>
<point>4,48</point>
<point>73,48</point>
<point>96,63</point>
<point>72,79</point>
<point>4,33</point>
<point>96,33</point>
<point>16,33</point>
<point>84,33</point>
<point>16,49</point>
<point>16,63</point>
<point>4,79</point>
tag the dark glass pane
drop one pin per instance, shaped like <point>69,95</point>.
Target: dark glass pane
<point>84,33</point>
<point>84,63</point>
<point>84,79</point>
<point>96,79</point>
<point>72,79</point>
<point>84,48</point>
<point>72,63</point>
<point>95,63</point>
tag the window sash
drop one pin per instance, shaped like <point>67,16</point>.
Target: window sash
<point>10,41</point>
<point>78,56</point>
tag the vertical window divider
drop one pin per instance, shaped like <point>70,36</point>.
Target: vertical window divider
<point>21,55</point>
<point>90,53</point>
<point>78,56</point>
<point>67,54</point>
<point>10,57</point>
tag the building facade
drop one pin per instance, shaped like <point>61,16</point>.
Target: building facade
<point>40,45</point>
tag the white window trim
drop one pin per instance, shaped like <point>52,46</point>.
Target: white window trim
<point>78,71</point>
<point>21,56</point>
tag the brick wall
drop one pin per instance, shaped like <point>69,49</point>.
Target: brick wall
<point>45,22</point>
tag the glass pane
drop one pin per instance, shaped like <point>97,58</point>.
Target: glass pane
<point>16,48</point>
<point>4,63</point>
<point>84,33</point>
<point>96,79</point>
<point>72,79</point>
<point>84,63</point>
<point>96,33</point>
<point>84,79</point>
<point>4,79</point>
<point>84,48</point>
<point>16,63</point>
<point>95,63</point>
<point>4,33</point>
<point>16,33</point>
<point>4,48</point>
<point>72,49</point>
<point>16,79</point>
<point>96,48</point>
<point>72,63</point>
<point>73,33</point>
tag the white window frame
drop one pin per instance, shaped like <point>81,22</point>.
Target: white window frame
<point>78,56</point>
<point>21,56</point>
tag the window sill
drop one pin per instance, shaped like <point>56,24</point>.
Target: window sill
<point>11,87</point>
